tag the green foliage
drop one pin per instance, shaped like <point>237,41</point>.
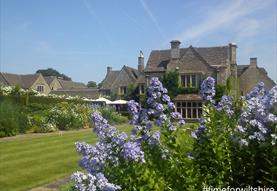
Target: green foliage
<point>91,84</point>
<point>65,116</point>
<point>187,90</point>
<point>21,100</point>
<point>12,119</point>
<point>41,114</point>
<point>220,161</point>
<point>212,151</point>
<point>53,72</point>
<point>171,81</point>
<point>220,91</point>
<point>15,91</point>
<point>40,124</point>
<point>112,116</point>
<point>8,118</point>
<point>157,173</point>
<point>132,93</point>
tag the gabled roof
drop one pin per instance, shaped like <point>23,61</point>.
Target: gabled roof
<point>214,56</point>
<point>196,57</point>
<point>71,85</point>
<point>49,79</point>
<point>3,81</point>
<point>29,79</point>
<point>24,81</point>
<point>133,73</point>
<point>242,68</point>
<point>109,79</point>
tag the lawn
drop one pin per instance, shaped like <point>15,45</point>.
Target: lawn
<point>32,160</point>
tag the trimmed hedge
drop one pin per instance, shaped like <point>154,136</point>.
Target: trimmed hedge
<point>25,100</point>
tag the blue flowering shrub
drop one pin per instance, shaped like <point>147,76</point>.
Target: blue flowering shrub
<point>235,141</point>
<point>226,148</point>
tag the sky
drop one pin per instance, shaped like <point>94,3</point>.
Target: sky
<point>80,38</point>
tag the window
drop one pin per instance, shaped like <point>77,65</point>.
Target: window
<point>122,90</point>
<point>40,88</point>
<point>189,109</point>
<point>141,89</point>
<point>190,80</point>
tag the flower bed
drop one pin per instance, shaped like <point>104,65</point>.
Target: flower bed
<point>234,145</point>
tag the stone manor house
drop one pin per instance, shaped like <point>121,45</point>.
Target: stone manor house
<point>193,65</point>
<point>48,85</point>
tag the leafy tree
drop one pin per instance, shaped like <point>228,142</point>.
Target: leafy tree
<point>91,84</point>
<point>132,93</point>
<point>171,82</point>
<point>52,72</point>
<point>99,85</point>
<point>220,91</point>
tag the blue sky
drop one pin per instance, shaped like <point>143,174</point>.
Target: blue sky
<point>80,38</point>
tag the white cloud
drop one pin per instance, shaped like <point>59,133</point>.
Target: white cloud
<point>248,28</point>
<point>98,20</point>
<point>223,15</point>
<point>152,18</point>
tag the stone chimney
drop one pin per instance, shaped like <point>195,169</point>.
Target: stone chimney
<point>141,62</point>
<point>253,62</point>
<point>233,53</point>
<point>109,69</point>
<point>175,49</point>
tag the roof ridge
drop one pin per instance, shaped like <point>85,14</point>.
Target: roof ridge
<point>4,78</point>
<point>129,72</point>
<point>182,48</point>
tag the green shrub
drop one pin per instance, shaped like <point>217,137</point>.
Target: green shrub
<point>40,124</point>
<point>112,116</point>
<point>12,119</point>
<point>67,116</point>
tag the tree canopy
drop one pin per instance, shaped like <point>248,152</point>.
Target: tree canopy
<point>53,72</point>
<point>91,84</point>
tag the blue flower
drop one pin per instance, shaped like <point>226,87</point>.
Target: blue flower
<point>155,138</point>
<point>225,105</point>
<point>207,90</point>
<point>132,151</point>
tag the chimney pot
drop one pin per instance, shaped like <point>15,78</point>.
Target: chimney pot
<point>109,69</point>
<point>141,62</point>
<point>253,62</point>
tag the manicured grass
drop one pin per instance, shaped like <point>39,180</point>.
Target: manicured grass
<point>32,160</point>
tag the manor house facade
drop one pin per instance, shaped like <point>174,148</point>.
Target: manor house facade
<point>193,65</point>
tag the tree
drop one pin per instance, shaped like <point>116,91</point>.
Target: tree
<point>52,72</point>
<point>91,84</point>
<point>132,93</point>
<point>171,82</point>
